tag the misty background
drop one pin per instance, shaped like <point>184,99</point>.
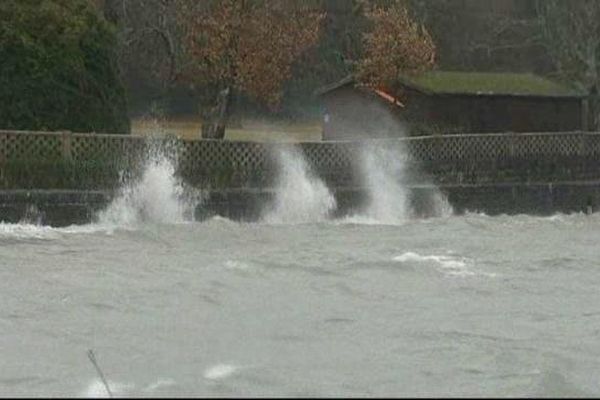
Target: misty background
<point>470,35</point>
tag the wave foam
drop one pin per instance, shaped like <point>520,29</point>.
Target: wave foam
<point>451,265</point>
<point>159,384</point>
<point>220,371</point>
<point>26,231</point>
<point>237,265</point>
<point>45,232</point>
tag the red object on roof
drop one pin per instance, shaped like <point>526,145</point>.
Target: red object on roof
<point>388,97</point>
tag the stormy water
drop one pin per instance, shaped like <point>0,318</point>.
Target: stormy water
<point>376,303</point>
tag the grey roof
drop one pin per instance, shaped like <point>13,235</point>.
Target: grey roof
<point>335,85</point>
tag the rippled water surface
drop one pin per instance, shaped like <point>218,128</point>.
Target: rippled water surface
<point>454,306</point>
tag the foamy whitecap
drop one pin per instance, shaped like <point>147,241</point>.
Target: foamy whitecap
<point>222,220</point>
<point>160,384</point>
<point>449,264</point>
<point>44,232</point>
<point>359,219</point>
<point>220,371</point>
<point>27,231</point>
<point>237,265</point>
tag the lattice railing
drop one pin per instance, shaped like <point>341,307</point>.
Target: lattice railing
<point>241,162</point>
<point>18,145</point>
<point>209,153</point>
<point>85,147</point>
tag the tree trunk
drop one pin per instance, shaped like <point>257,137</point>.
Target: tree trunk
<point>234,110</point>
<point>112,10</point>
<point>215,120</point>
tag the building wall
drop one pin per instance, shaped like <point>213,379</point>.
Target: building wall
<point>504,113</point>
<point>351,113</point>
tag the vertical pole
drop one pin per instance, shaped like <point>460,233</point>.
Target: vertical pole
<point>66,146</point>
<point>511,145</point>
<point>585,111</point>
<point>592,109</point>
<point>92,358</point>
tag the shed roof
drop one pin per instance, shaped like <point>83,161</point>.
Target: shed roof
<point>335,85</point>
<point>490,84</point>
<point>477,84</point>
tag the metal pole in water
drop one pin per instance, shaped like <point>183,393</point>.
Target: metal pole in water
<point>92,358</point>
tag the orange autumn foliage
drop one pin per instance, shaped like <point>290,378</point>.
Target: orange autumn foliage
<point>249,46</point>
<point>396,46</point>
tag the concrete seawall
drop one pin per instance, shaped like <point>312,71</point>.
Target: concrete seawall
<point>491,199</point>
<point>52,207</point>
<point>65,178</point>
<point>67,207</point>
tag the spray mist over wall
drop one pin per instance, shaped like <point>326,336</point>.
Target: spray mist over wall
<point>441,205</point>
<point>385,173</point>
<point>300,196</point>
<point>383,170</point>
<point>157,196</point>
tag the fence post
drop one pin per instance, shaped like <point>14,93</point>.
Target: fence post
<point>3,156</point>
<point>3,147</point>
<point>583,145</point>
<point>585,112</point>
<point>66,145</point>
<point>511,145</point>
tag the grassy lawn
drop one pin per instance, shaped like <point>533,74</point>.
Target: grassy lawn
<point>250,130</point>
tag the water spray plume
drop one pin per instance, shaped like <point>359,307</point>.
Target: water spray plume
<point>300,196</point>
<point>385,174</point>
<point>441,205</point>
<point>383,171</point>
<point>158,196</point>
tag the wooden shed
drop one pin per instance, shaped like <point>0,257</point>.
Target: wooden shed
<point>448,102</point>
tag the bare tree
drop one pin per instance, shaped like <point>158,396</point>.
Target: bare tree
<point>571,34</point>
<point>148,43</point>
<point>490,35</point>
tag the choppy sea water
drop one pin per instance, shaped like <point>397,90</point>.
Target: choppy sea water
<point>452,306</point>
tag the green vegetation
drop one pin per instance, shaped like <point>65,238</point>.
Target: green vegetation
<point>58,68</point>
<point>488,83</point>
